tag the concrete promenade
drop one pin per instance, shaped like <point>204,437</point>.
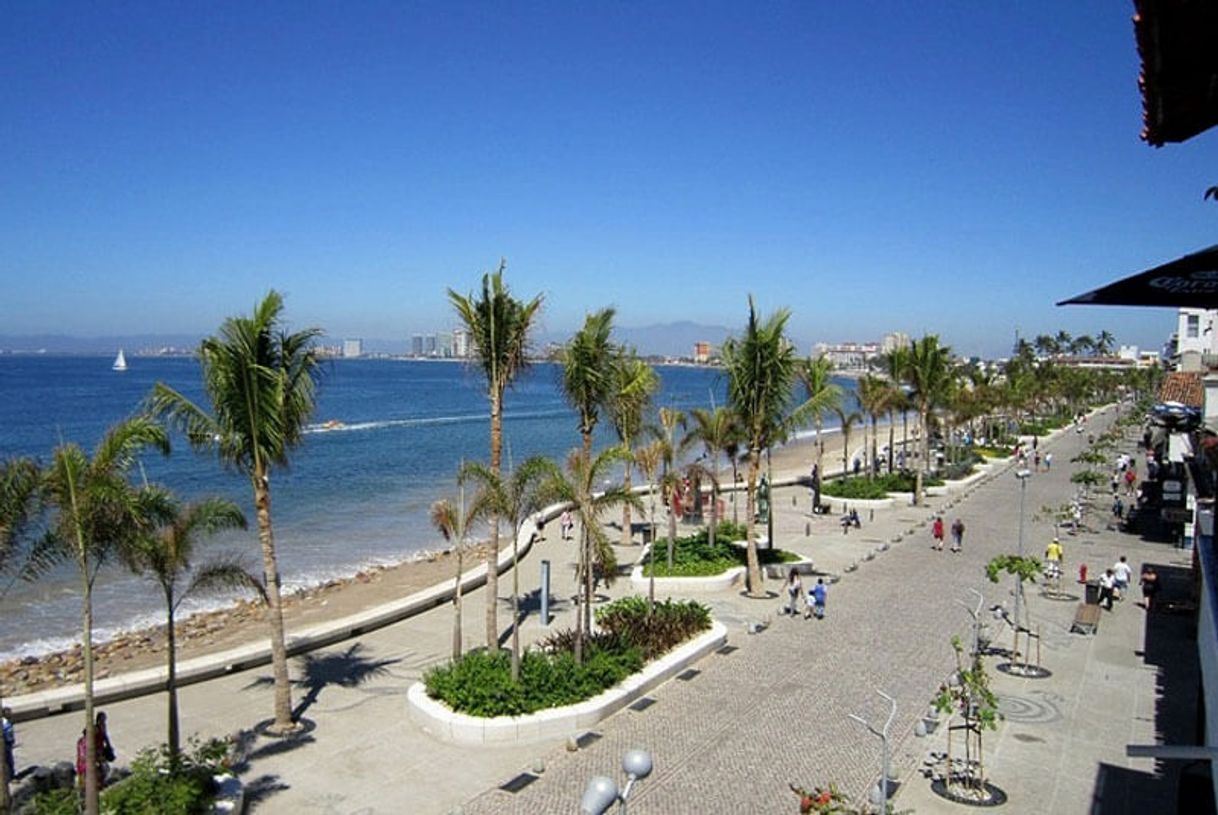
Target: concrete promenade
<point>773,711</point>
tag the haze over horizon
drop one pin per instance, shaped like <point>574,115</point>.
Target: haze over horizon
<point>954,169</point>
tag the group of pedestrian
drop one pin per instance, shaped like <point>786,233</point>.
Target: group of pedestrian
<point>814,599</point>
<point>957,530</point>
<point>103,753</point>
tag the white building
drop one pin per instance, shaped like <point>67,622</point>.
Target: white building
<point>847,356</point>
<point>353,348</point>
<point>1195,337</point>
<point>460,343</point>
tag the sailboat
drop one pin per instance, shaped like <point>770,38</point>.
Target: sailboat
<point>120,362</point>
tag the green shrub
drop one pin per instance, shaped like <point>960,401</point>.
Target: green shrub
<point>154,789</point>
<point>693,556</point>
<point>857,489</point>
<point>54,802</point>
<point>480,683</point>
<point>990,451</point>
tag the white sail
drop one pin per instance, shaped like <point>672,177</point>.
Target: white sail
<point>120,361</point>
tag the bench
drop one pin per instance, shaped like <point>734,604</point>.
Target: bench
<point>1086,619</point>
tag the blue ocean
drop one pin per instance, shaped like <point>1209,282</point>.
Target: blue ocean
<point>387,439</point>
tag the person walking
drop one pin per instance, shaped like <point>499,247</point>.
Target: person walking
<point>1122,574</point>
<point>794,590</point>
<point>1150,587</point>
<point>1053,559</point>
<point>936,531</point>
<point>1048,462</point>
<point>1107,586</point>
<point>957,535</point>
<point>10,742</point>
<point>565,523</point>
<point>818,593</point>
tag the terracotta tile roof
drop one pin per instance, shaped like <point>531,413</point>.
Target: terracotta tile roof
<point>1184,387</point>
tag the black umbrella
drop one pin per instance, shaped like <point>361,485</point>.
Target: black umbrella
<point>1189,282</point>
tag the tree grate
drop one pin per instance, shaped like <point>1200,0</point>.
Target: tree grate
<point>643,704</point>
<point>518,783</point>
<point>588,738</point>
<point>685,676</point>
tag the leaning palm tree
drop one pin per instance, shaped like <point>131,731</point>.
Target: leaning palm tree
<point>261,383</point>
<point>847,419</point>
<point>822,395</point>
<point>95,512</point>
<point>579,486</point>
<point>634,383</point>
<point>452,522</point>
<point>928,371</point>
<point>513,499</point>
<point>647,458</point>
<point>587,371</point>
<point>20,505</point>
<point>165,554</point>
<point>761,371</point>
<point>873,396</point>
<point>499,326</point>
<point>715,429</point>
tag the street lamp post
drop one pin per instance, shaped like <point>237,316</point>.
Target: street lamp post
<point>1022,475</point>
<point>602,791</point>
<point>882,787</point>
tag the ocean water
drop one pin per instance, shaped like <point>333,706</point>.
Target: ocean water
<point>354,496</point>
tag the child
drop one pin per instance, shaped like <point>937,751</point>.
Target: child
<point>794,589</point>
<point>817,596</point>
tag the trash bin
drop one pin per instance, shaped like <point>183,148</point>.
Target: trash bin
<point>1092,596</point>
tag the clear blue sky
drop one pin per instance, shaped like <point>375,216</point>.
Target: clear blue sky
<point>947,167</point>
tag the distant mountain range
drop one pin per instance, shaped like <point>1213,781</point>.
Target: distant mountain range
<point>674,339</point>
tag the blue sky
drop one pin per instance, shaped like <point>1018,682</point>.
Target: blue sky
<point>927,167</point>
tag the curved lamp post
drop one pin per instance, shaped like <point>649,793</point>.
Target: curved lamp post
<point>602,791</point>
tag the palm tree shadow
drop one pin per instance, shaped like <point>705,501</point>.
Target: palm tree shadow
<point>345,669</point>
<point>530,603</point>
<point>260,789</point>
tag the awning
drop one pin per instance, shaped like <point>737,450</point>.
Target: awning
<point>1189,282</point>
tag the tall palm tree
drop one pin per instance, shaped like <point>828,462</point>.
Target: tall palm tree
<point>822,395</point>
<point>1104,343</point>
<point>666,434</point>
<point>95,511</point>
<point>715,429</point>
<point>894,363</point>
<point>261,383</point>
<point>761,370</point>
<point>928,371</point>
<point>165,554</point>
<point>848,420</point>
<point>513,499</point>
<point>634,383</point>
<point>647,458</point>
<point>499,326</point>
<point>452,522</point>
<point>20,504</point>
<point>579,486</point>
<point>587,371</point>
<point>873,396</point>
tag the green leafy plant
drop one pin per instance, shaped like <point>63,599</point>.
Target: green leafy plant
<point>162,784</point>
<point>695,556</point>
<point>967,694</point>
<point>822,800</point>
<point>63,801</point>
<point>671,623</point>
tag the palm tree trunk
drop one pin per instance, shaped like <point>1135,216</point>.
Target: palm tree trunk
<point>892,430</point>
<point>270,569</point>
<point>626,517</point>
<point>92,782</point>
<point>492,557</point>
<point>579,616</point>
<point>651,553</point>
<point>714,512</point>
<point>457,604</point>
<point>516,607</point>
<point>754,565</point>
<point>924,451</point>
<point>171,686</point>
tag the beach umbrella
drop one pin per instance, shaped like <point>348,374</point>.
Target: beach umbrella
<point>1188,282</point>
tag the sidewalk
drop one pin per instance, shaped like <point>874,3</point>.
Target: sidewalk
<point>734,735</point>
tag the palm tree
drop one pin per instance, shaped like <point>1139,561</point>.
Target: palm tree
<point>452,522</point>
<point>1104,343</point>
<point>873,396</point>
<point>928,372</point>
<point>499,326</point>
<point>20,501</point>
<point>666,435</point>
<point>716,429</point>
<point>647,458</point>
<point>513,499</point>
<point>894,365</point>
<point>165,553</point>
<point>579,486</point>
<point>95,512</point>
<point>847,420</point>
<point>587,371</point>
<point>822,395</point>
<point>261,382</point>
<point>634,383</point>
<point>761,370</point>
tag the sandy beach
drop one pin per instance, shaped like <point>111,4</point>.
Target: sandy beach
<point>244,622</point>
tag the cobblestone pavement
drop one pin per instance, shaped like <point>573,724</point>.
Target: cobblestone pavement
<point>775,710</point>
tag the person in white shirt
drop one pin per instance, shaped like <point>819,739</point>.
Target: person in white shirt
<point>1107,584</point>
<point>1121,574</point>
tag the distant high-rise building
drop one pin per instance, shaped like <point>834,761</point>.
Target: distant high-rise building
<point>416,345</point>
<point>847,356</point>
<point>702,351</point>
<point>460,343</point>
<point>353,348</point>
<point>894,341</point>
<point>429,345</point>
<point>444,344</point>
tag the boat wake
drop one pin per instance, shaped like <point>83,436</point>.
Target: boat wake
<point>335,426</point>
